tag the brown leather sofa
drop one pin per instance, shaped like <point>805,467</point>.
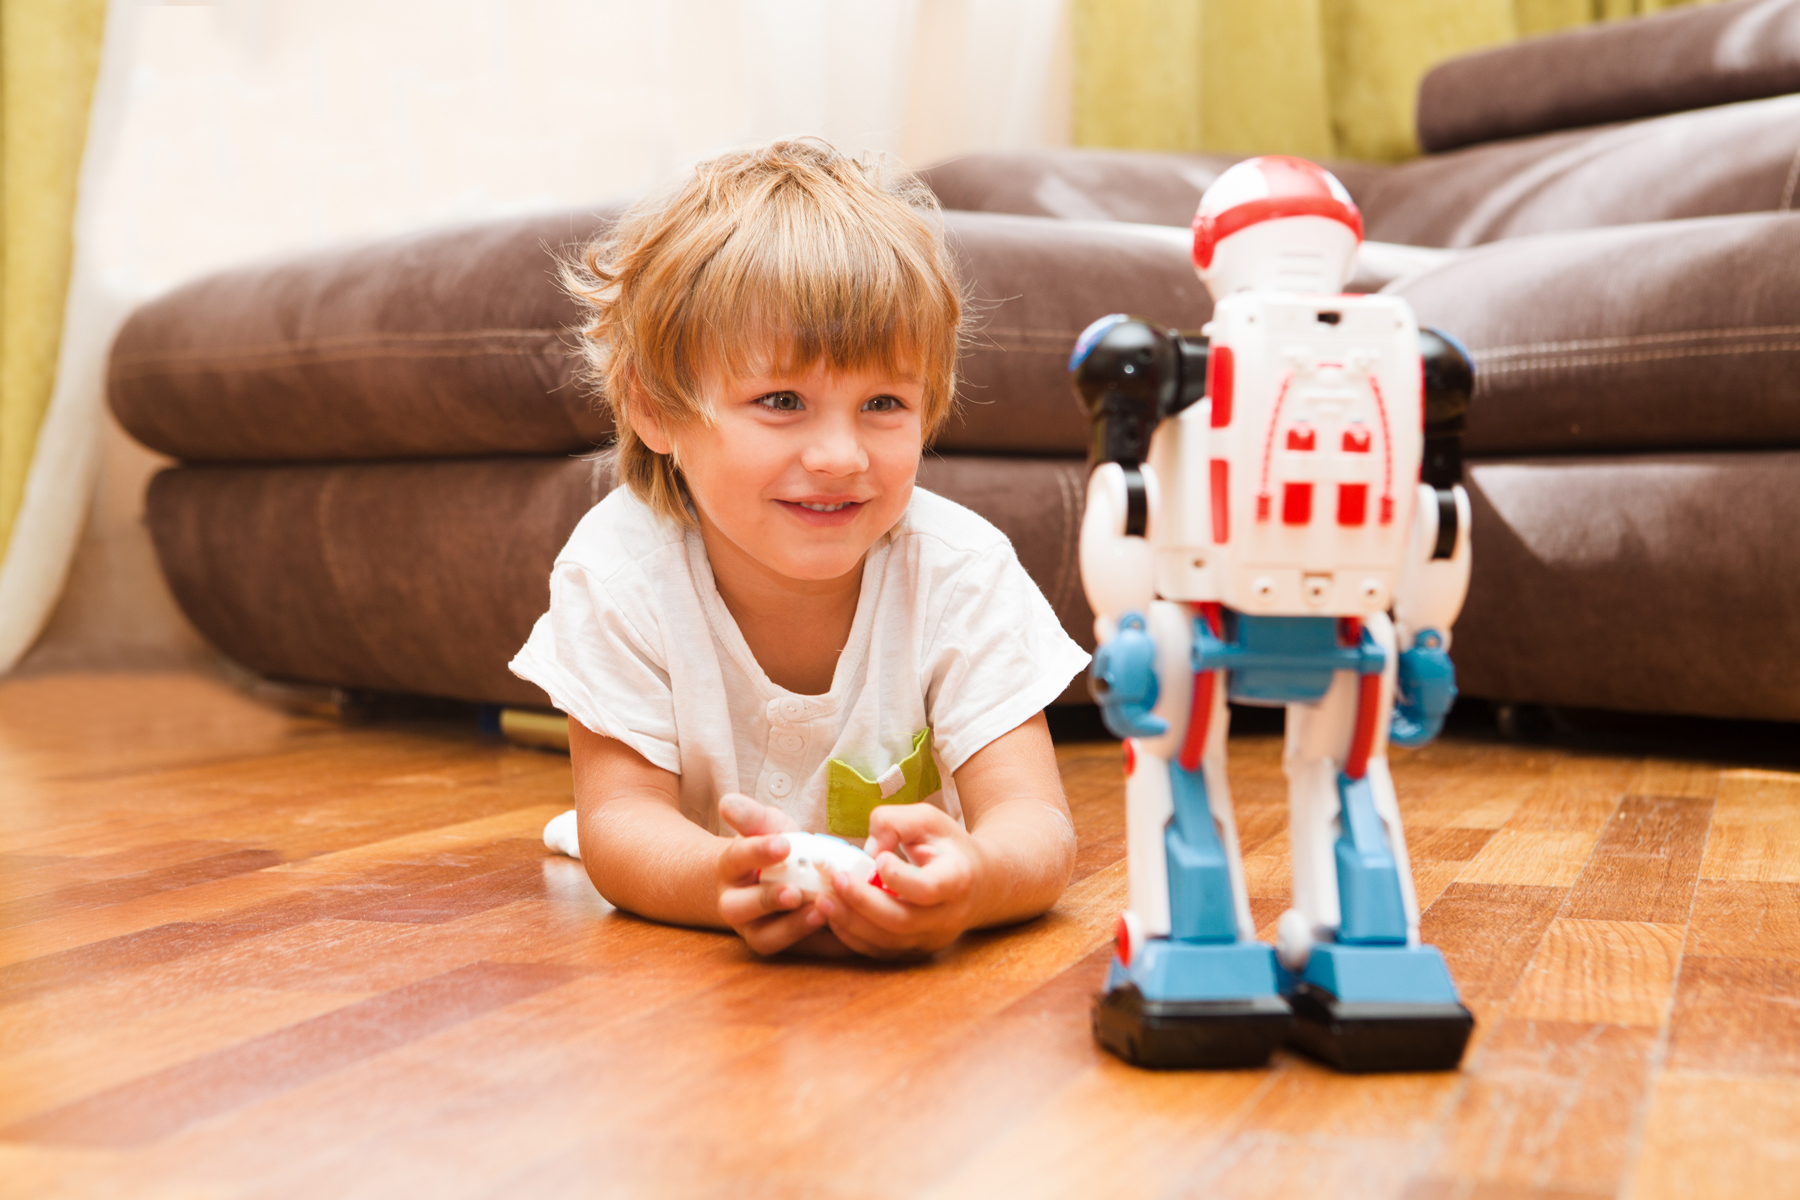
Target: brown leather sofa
<point>382,448</point>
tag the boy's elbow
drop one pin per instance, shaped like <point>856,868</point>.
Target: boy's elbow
<point>1057,867</point>
<point>606,882</point>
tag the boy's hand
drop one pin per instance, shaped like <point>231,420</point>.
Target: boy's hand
<point>767,916</point>
<point>933,895</point>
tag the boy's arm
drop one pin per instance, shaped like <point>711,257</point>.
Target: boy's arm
<point>1011,863</point>
<point>644,856</point>
<point>641,853</point>
<point>1012,799</point>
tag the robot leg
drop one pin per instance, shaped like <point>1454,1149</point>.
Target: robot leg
<point>1189,985</point>
<point>1366,995</point>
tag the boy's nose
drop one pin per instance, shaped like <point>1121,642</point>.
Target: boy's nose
<point>835,451</point>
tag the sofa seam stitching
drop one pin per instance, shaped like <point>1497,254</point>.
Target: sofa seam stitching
<point>352,339</point>
<point>1542,362</point>
<point>338,345</point>
<point>1642,339</point>
<point>196,367</point>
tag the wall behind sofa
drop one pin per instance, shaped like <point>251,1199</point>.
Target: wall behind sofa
<point>253,129</point>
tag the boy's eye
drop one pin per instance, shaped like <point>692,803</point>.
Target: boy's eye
<point>781,402</point>
<point>883,404</point>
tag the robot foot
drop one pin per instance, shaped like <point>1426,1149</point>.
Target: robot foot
<point>1190,1033</point>
<point>1372,1036</point>
<point>1378,1008</point>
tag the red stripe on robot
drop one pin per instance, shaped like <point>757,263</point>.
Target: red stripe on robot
<point>1219,383</point>
<point>1209,231</point>
<point>1221,501</point>
<point>1262,485</point>
<point>1387,456</point>
<point>1368,707</point>
<point>1193,745</point>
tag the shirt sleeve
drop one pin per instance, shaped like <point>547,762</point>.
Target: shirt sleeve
<point>600,668</point>
<point>999,656</point>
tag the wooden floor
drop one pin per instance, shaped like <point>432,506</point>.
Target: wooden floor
<point>245,953</point>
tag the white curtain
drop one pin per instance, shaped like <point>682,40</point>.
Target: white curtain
<point>254,129</point>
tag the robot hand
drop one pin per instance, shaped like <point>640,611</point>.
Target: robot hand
<point>1123,681</point>
<point>1426,687</point>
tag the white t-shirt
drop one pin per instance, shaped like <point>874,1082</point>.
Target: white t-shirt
<point>950,634</point>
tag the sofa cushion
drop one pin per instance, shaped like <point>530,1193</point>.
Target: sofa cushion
<point>1736,158</point>
<point>1142,186</point>
<point>1036,284</point>
<point>1733,159</point>
<point>425,577</point>
<point>1677,335</point>
<point>1653,583</point>
<point>1614,72</point>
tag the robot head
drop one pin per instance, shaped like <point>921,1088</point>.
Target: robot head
<point>1276,223</point>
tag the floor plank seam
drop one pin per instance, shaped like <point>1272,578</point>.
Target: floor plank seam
<point>1659,1048</point>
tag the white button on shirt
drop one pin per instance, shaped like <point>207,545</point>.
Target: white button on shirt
<point>950,633</point>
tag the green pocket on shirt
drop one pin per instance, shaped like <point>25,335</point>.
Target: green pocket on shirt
<point>850,795</point>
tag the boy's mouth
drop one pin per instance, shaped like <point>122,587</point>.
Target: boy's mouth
<point>831,512</point>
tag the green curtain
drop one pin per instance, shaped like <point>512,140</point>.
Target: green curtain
<point>1318,78</point>
<point>49,56</point>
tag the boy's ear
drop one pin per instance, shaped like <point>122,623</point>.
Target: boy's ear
<point>647,423</point>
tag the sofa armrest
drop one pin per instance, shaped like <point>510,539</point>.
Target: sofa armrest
<point>1695,58</point>
<point>445,343</point>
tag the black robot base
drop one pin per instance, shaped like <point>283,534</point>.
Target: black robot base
<point>1187,1034</point>
<point>1364,1038</point>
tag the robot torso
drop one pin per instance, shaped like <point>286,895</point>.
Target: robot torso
<point>1289,491</point>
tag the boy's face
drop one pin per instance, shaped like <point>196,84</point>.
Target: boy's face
<point>802,471</point>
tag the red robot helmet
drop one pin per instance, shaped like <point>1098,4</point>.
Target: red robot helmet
<point>1266,189</point>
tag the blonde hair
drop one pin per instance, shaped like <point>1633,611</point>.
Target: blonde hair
<point>791,248</point>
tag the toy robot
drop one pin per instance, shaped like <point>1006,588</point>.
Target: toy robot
<point>1264,496</point>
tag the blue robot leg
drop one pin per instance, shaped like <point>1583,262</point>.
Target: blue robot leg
<point>1369,1001</point>
<point>1204,996</point>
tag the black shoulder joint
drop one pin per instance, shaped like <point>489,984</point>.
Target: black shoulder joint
<point>1449,392</point>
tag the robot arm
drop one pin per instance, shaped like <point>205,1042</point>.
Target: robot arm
<point>1436,578</point>
<point>1431,595</point>
<point>1129,374</point>
<point>1117,569</point>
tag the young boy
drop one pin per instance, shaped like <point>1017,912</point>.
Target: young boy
<point>770,627</point>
